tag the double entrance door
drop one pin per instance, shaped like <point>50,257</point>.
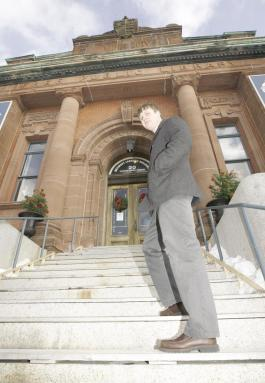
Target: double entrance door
<point>126,224</point>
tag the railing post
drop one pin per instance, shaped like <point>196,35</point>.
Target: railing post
<point>203,231</point>
<point>19,243</point>
<point>251,239</point>
<point>215,235</point>
<point>44,238</point>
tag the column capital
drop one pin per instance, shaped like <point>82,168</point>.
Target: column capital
<point>77,94</point>
<point>178,81</point>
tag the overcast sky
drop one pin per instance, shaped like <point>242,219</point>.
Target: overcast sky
<point>48,26</point>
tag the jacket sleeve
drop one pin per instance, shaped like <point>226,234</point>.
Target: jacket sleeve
<point>178,145</point>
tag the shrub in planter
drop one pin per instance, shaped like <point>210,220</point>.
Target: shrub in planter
<point>34,206</point>
<point>223,187</point>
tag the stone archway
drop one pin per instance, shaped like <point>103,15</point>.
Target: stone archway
<point>93,156</point>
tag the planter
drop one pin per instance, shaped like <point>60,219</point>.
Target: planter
<point>30,225</point>
<point>217,213</point>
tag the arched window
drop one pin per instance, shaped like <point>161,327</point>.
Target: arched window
<point>129,170</point>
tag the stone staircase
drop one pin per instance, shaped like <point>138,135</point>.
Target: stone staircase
<point>92,316</point>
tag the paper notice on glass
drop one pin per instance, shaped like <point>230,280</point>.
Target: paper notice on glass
<point>119,216</point>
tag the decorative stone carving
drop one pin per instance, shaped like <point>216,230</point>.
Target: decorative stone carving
<point>125,27</point>
<point>187,79</point>
<point>127,111</point>
<point>220,99</point>
<point>223,112</point>
<point>39,122</point>
<point>214,65</point>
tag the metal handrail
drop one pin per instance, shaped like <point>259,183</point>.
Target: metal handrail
<point>246,224</point>
<point>47,220</point>
<point>241,204</point>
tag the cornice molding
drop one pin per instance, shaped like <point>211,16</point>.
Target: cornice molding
<point>128,63</point>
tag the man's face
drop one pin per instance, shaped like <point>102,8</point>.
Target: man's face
<point>150,119</point>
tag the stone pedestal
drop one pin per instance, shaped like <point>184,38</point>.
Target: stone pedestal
<point>54,241</point>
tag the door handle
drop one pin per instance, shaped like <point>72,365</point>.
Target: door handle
<point>135,225</point>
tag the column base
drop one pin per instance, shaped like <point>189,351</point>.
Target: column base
<point>54,240</point>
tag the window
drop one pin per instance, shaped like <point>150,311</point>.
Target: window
<point>4,108</point>
<point>26,182</point>
<point>234,153</point>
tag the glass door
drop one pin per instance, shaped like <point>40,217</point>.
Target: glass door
<point>125,224</point>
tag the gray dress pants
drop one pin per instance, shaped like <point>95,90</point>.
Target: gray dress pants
<point>177,268</point>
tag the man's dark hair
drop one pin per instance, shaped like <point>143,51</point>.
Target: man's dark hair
<point>146,106</point>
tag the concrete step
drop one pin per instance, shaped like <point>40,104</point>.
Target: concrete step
<point>87,290</point>
<point>98,265</point>
<point>240,332</point>
<point>106,263</point>
<point>82,281</point>
<point>110,249</point>
<point>118,307</point>
<point>99,255</point>
<point>106,256</point>
<point>152,366</point>
<point>131,271</point>
<point>78,259</point>
<point>119,356</point>
<point>79,265</point>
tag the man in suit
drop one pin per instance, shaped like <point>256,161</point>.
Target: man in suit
<point>171,248</point>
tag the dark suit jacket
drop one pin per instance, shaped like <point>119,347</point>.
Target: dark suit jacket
<point>169,172</point>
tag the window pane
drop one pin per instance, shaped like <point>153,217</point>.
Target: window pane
<point>32,165</point>
<point>144,217</point>
<point>37,147</point>
<point>119,218</point>
<point>226,130</point>
<point>4,106</point>
<point>242,169</point>
<point>25,187</point>
<point>232,148</point>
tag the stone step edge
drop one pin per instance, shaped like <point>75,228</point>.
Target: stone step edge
<point>132,318</point>
<point>66,268</point>
<point>236,273</point>
<point>61,275</point>
<point>120,300</point>
<point>58,288</point>
<point>221,280</point>
<point>41,269</point>
<point>64,257</point>
<point>17,269</point>
<point>135,356</point>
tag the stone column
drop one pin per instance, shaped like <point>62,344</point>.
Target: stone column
<point>203,160</point>
<point>58,158</point>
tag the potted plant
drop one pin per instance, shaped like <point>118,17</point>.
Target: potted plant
<point>223,187</point>
<point>34,206</point>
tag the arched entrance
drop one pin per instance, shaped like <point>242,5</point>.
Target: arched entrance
<point>95,155</point>
<point>126,224</point>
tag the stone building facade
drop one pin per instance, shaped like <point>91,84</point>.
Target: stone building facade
<point>69,122</point>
